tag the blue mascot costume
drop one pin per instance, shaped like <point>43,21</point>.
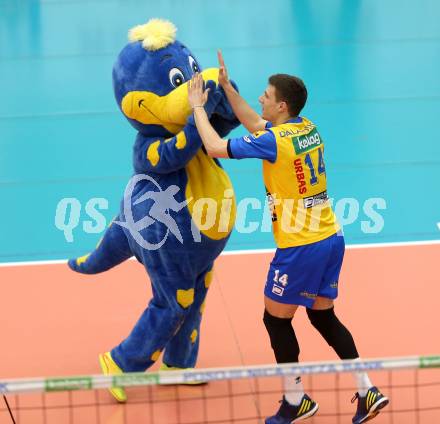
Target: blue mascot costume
<point>178,209</point>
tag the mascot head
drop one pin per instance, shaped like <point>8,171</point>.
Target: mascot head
<point>150,79</point>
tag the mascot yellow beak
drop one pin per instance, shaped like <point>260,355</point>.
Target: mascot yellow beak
<point>170,111</point>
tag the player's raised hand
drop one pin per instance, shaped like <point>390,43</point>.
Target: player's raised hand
<point>197,95</point>
<point>223,78</point>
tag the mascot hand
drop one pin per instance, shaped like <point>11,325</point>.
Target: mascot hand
<point>214,97</point>
<point>223,108</point>
<point>222,125</point>
<point>223,119</point>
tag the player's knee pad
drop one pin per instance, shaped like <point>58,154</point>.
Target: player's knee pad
<point>282,338</point>
<point>334,332</point>
<point>323,320</point>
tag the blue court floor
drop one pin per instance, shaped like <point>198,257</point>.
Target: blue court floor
<point>371,68</point>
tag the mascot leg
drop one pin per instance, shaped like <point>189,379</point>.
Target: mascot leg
<point>171,304</point>
<point>112,250</point>
<point>183,348</point>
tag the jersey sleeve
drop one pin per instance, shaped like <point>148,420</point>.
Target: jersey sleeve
<point>259,145</point>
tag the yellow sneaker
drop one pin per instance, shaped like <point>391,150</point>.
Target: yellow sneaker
<point>165,367</point>
<point>109,367</point>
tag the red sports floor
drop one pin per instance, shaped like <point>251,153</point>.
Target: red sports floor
<point>55,322</point>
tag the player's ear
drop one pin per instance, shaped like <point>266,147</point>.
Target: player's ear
<point>283,107</point>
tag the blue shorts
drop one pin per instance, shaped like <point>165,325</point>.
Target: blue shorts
<point>297,275</point>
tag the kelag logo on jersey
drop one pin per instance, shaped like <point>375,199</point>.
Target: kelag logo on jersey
<point>304,143</point>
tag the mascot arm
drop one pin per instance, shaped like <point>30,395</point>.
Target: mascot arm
<point>164,156</point>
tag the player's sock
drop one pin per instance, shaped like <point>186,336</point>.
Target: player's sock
<point>362,381</point>
<point>286,348</point>
<point>293,390</point>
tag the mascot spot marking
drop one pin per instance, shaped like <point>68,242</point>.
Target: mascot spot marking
<point>152,153</point>
<point>180,140</point>
<point>155,355</point>
<point>194,335</point>
<point>82,259</point>
<point>185,298</point>
<point>208,278</point>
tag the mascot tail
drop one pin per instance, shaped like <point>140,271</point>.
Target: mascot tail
<point>112,250</point>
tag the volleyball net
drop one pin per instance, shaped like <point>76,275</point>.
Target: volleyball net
<point>245,394</point>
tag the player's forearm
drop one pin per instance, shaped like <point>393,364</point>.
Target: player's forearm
<point>250,119</point>
<point>215,146</point>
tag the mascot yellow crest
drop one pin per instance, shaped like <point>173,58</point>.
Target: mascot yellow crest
<point>155,34</point>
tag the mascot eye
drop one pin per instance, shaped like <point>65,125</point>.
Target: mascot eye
<point>193,64</point>
<point>176,77</point>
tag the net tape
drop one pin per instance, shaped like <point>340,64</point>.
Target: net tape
<point>90,382</point>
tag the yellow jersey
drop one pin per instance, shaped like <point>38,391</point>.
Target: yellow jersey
<point>295,180</point>
<point>296,186</point>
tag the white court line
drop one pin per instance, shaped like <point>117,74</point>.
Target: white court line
<point>254,251</point>
<point>348,247</point>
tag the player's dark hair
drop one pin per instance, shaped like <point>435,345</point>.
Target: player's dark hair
<point>291,90</point>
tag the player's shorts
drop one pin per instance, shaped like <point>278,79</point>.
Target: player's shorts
<point>297,275</point>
